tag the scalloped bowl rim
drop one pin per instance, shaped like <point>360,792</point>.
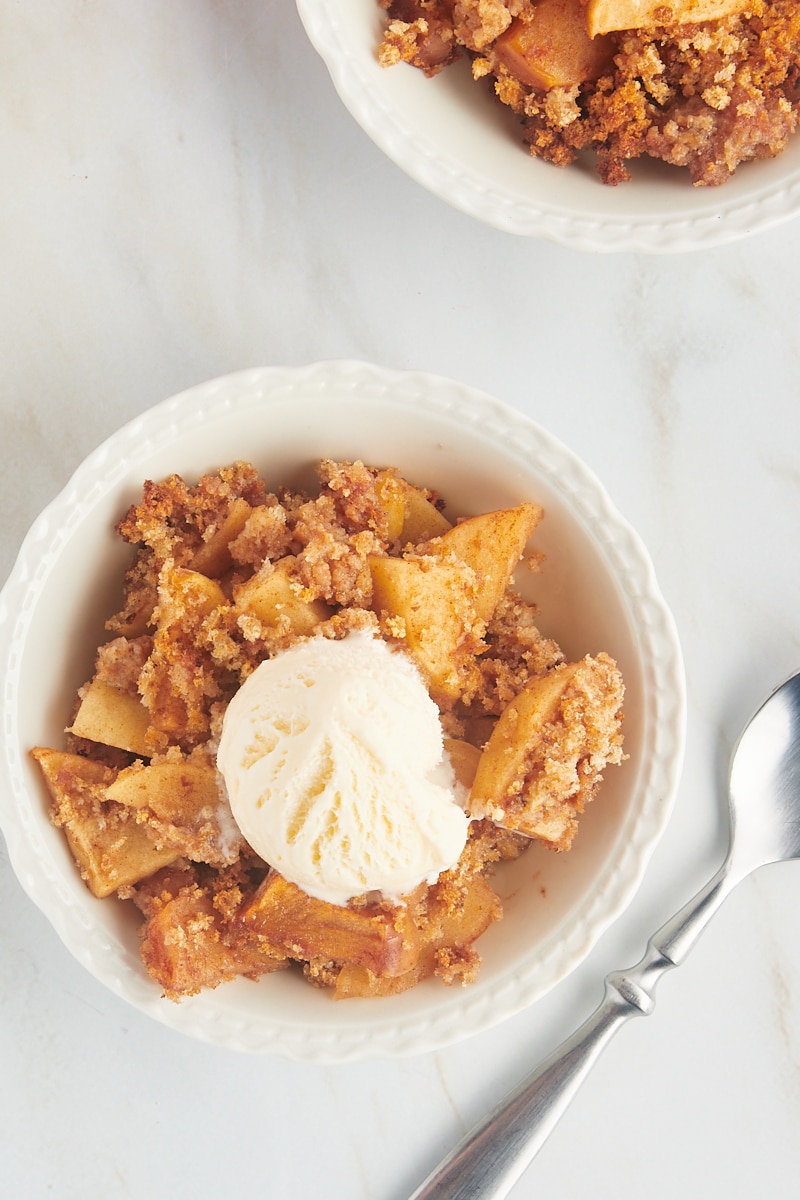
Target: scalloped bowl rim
<point>431,420</point>
<point>455,141</point>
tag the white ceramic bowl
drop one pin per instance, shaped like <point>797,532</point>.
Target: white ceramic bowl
<point>597,592</point>
<point>452,137</point>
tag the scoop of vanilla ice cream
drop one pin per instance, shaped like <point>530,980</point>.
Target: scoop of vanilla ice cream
<point>333,760</point>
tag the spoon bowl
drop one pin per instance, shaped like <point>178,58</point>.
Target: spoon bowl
<point>764,799</point>
<point>765,784</point>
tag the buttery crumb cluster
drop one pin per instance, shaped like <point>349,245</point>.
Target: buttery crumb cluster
<point>705,95</point>
<point>227,573</point>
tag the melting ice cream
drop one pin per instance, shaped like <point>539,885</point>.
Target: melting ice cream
<point>333,759</point>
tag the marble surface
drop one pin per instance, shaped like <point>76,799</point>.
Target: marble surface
<point>182,195</point>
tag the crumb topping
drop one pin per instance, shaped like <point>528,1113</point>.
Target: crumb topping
<point>705,96</point>
<point>227,572</point>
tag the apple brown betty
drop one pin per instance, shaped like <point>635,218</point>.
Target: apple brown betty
<point>226,573</point>
<point>700,84</point>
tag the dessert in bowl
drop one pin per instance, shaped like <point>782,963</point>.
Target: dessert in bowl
<point>595,593</point>
<point>453,135</point>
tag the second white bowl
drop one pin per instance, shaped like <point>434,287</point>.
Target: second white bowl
<point>452,137</point>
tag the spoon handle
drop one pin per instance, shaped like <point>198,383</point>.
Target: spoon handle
<point>490,1159</point>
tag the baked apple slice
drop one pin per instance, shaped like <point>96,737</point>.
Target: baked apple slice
<point>384,940</point>
<point>606,16</point>
<point>271,597</point>
<point>553,47</point>
<point>110,848</point>
<point>447,936</point>
<point>492,545</point>
<point>549,747</point>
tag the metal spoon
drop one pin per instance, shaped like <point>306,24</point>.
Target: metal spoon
<point>764,795</point>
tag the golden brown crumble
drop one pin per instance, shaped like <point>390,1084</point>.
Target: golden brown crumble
<point>706,97</point>
<point>226,573</point>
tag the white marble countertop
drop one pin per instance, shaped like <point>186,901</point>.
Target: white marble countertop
<point>183,195</point>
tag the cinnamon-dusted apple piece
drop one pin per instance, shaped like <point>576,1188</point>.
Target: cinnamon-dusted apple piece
<point>112,851</point>
<point>438,600</point>
<point>492,544</point>
<point>191,940</point>
<point>411,515</point>
<point>464,759</point>
<point>551,46</point>
<point>430,606</point>
<point>378,937</point>
<point>176,791</point>
<point>180,800</point>
<point>180,679</point>
<point>446,940</point>
<point>213,558</point>
<point>607,16</point>
<point>549,747</point>
<point>113,718</point>
<point>451,916</point>
<point>111,711</point>
<point>271,596</point>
